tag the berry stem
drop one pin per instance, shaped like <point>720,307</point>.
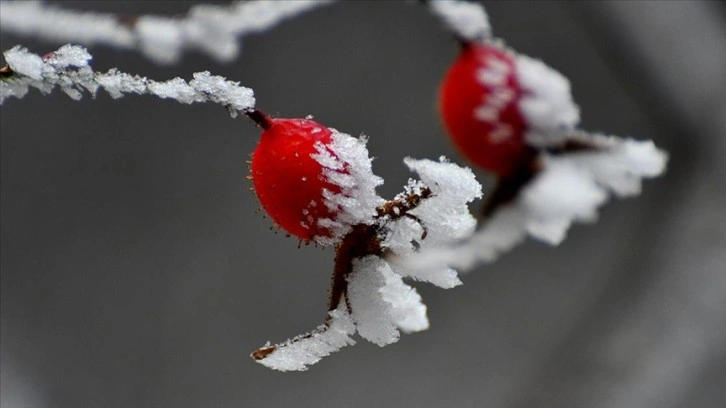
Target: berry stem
<point>260,118</point>
<point>361,241</point>
<point>508,187</point>
<point>6,71</point>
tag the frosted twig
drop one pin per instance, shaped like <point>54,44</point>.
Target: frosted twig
<point>467,20</point>
<point>69,69</point>
<point>211,29</point>
<point>298,353</point>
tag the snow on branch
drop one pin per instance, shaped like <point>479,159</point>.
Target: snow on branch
<point>307,349</point>
<point>69,69</point>
<point>211,29</point>
<point>566,188</point>
<point>467,20</point>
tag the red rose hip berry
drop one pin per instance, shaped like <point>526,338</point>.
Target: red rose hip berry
<point>289,182</point>
<point>478,103</point>
<point>499,106</point>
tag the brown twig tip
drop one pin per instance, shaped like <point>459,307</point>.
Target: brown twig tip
<point>6,71</point>
<point>263,352</point>
<point>399,208</point>
<point>260,118</point>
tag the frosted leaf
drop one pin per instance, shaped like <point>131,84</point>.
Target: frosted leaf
<point>546,104</point>
<point>212,29</point>
<point>561,194</point>
<point>307,349</point>
<point>444,217</point>
<point>568,188</point>
<point>446,214</point>
<point>68,69</point>
<point>620,164</point>
<point>346,164</point>
<point>407,311</point>
<point>381,303</point>
<point>467,20</point>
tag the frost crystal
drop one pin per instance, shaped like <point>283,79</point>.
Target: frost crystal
<point>568,188</point>
<point>346,164</point>
<point>467,20</point>
<point>444,218</point>
<point>546,104</point>
<point>209,28</point>
<point>382,303</point>
<point>69,69</point>
<point>302,351</point>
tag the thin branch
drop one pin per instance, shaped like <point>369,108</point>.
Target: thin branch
<point>468,21</point>
<point>69,69</point>
<point>211,29</point>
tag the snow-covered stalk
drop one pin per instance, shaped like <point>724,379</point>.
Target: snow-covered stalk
<point>69,69</point>
<point>212,29</point>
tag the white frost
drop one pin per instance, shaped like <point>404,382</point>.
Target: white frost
<point>212,29</point>
<point>307,349</point>
<point>494,74</point>
<point>69,69</point>
<point>445,217</point>
<point>381,303</point>
<point>546,104</point>
<point>467,20</point>
<point>346,164</point>
<point>569,188</point>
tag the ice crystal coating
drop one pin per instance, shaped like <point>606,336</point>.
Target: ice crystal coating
<point>382,303</point>
<point>568,188</point>
<point>467,20</point>
<point>346,164</point>
<point>69,69</point>
<point>496,74</point>
<point>212,29</point>
<point>546,103</point>
<point>444,217</point>
<point>302,351</point>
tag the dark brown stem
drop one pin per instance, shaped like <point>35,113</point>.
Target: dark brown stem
<point>361,241</point>
<point>259,118</point>
<point>574,145</point>
<point>6,71</point>
<point>508,187</point>
<point>399,208</point>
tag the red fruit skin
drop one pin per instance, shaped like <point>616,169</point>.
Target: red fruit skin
<point>288,180</point>
<point>462,93</point>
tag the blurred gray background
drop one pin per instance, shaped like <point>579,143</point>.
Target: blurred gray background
<point>136,273</point>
